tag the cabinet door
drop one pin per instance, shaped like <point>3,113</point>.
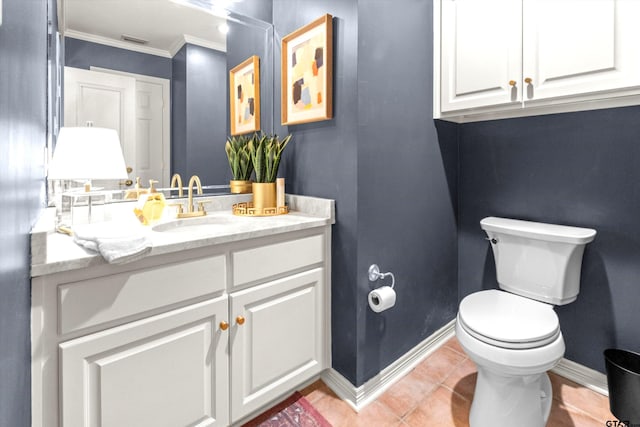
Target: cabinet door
<point>576,47</point>
<point>481,44</point>
<point>280,343</point>
<point>166,370</point>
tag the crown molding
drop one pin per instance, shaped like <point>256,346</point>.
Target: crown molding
<point>116,43</point>
<point>186,38</point>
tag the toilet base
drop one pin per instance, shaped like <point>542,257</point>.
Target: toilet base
<point>501,400</point>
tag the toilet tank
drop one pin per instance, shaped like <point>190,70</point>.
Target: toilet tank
<point>537,260</point>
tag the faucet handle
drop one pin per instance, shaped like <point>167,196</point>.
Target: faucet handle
<point>179,206</point>
<point>201,207</point>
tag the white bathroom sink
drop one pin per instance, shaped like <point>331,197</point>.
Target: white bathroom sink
<point>197,224</point>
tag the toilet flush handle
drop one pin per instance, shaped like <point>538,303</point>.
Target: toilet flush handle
<point>493,240</point>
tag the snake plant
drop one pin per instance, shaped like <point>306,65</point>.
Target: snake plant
<point>237,148</point>
<point>266,152</point>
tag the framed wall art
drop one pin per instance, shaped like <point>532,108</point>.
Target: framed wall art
<point>244,96</point>
<point>307,73</point>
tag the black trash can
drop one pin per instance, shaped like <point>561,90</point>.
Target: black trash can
<point>623,378</point>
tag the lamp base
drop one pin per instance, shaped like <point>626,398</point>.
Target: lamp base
<point>80,207</point>
<point>64,230</point>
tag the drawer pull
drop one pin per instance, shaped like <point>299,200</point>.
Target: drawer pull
<point>224,325</point>
<point>512,82</point>
<point>240,320</point>
<point>528,80</point>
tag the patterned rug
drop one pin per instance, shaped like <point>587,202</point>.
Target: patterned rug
<point>296,411</point>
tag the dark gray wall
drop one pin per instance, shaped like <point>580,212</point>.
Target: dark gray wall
<point>322,161</point>
<point>179,111</point>
<point>207,106</point>
<point>199,114</point>
<point>252,37</point>
<point>258,9</point>
<point>84,54</point>
<point>393,183</point>
<point>406,215</point>
<point>577,169</point>
<point>23,73</point>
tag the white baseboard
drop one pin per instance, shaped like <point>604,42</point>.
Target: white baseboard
<point>359,397</point>
<point>586,377</point>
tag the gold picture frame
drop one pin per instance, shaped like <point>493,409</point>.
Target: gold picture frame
<point>244,96</point>
<point>307,73</point>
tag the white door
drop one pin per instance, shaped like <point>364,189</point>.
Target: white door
<point>149,139</point>
<point>104,100</point>
<point>153,126</point>
<point>574,47</point>
<point>481,53</point>
<point>276,339</point>
<point>169,370</point>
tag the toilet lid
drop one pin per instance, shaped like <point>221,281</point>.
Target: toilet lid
<point>508,320</point>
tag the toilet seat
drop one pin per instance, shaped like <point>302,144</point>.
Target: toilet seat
<point>509,321</point>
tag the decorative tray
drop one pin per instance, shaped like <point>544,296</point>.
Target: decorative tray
<point>247,209</point>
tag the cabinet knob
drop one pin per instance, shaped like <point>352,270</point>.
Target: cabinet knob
<point>528,80</point>
<point>512,82</point>
<point>240,320</point>
<point>224,325</point>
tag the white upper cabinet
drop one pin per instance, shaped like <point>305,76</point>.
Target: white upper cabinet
<point>481,53</point>
<point>504,58</point>
<point>574,47</point>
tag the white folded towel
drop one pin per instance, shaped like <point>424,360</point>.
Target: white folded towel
<point>117,242</point>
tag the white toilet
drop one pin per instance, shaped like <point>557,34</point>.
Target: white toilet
<point>513,334</point>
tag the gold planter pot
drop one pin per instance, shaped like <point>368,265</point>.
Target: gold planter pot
<point>264,195</point>
<point>240,186</point>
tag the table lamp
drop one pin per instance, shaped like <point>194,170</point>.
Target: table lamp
<point>85,154</point>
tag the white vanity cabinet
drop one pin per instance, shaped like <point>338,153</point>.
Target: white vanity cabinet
<point>205,337</point>
<point>280,331</point>
<point>280,341</point>
<point>170,369</point>
<point>505,55</point>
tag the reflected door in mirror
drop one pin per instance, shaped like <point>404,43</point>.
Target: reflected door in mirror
<point>102,100</point>
<point>116,102</point>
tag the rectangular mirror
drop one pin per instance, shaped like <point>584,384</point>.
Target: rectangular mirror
<point>157,72</point>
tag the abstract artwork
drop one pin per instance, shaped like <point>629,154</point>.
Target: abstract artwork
<point>244,96</point>
<point>307,73</point>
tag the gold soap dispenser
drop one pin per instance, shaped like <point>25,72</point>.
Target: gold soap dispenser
<point>135,192</point>
<point>151,206</point>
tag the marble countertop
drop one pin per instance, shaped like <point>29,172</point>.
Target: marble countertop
<point>54,252</point>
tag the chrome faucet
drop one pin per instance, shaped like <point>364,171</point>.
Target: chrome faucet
<point>191,212</point>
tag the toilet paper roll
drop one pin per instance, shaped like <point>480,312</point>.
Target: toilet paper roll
<point>382,298</point>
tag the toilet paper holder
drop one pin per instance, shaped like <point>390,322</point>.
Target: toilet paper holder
<point>375,274</point>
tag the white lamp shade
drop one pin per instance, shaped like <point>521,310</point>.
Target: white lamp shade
<point>87,153</point>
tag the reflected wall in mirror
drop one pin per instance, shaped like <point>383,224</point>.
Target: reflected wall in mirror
<point>157,72</point>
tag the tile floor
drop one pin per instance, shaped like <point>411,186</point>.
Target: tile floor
<point>438,392</point>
